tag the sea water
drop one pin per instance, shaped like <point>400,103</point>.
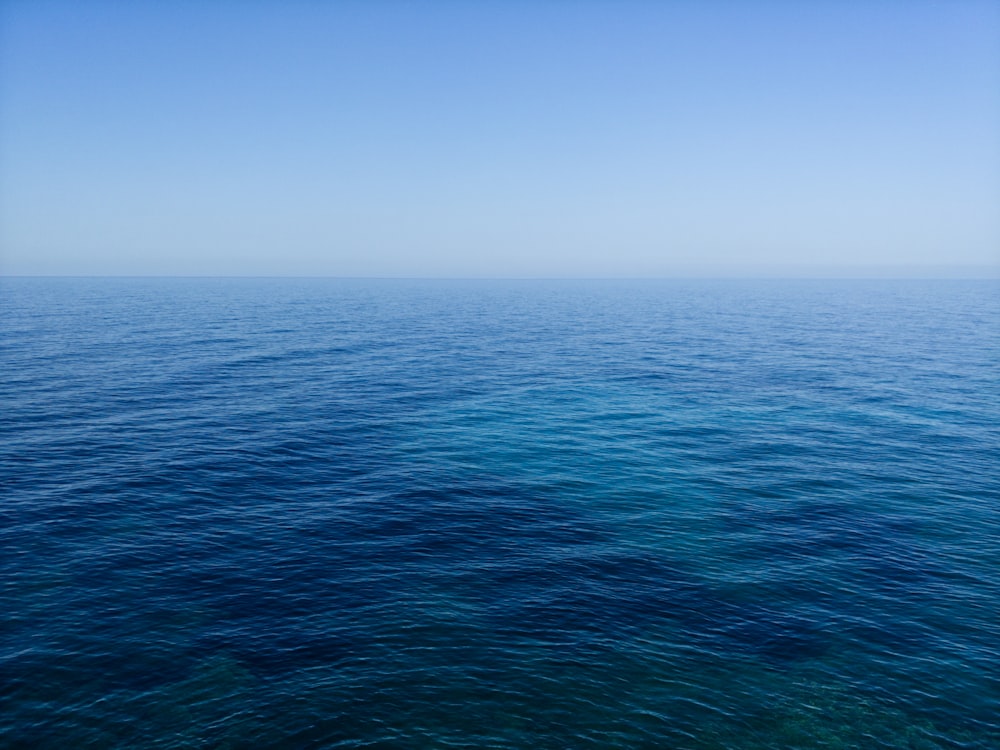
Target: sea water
<point>289,513</point>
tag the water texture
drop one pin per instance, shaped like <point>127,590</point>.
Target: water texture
<point>443,514</point>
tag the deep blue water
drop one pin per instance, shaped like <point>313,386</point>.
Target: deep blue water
<point>401,514</point>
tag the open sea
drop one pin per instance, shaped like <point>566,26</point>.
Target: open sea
<point>291,513</point>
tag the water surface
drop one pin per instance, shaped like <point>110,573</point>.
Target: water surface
<point>401,514</point>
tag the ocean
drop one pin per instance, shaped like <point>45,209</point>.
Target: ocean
<point>318,513</point>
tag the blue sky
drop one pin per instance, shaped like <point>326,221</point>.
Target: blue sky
<point>545,138</point>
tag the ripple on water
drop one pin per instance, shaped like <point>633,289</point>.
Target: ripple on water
<point>291,513</point>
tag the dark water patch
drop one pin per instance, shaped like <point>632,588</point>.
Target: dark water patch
<point>776,635</point>
<point>277,652</point>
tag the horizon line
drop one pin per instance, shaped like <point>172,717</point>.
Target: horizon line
<point>774,271</point>
<point>993,275</point>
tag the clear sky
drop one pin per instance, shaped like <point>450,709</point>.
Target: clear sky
<point>534,138</point>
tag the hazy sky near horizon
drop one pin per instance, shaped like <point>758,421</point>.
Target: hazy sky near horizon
<point>516,138</point>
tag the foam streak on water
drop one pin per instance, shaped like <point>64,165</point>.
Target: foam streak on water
<point>388,514</point>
